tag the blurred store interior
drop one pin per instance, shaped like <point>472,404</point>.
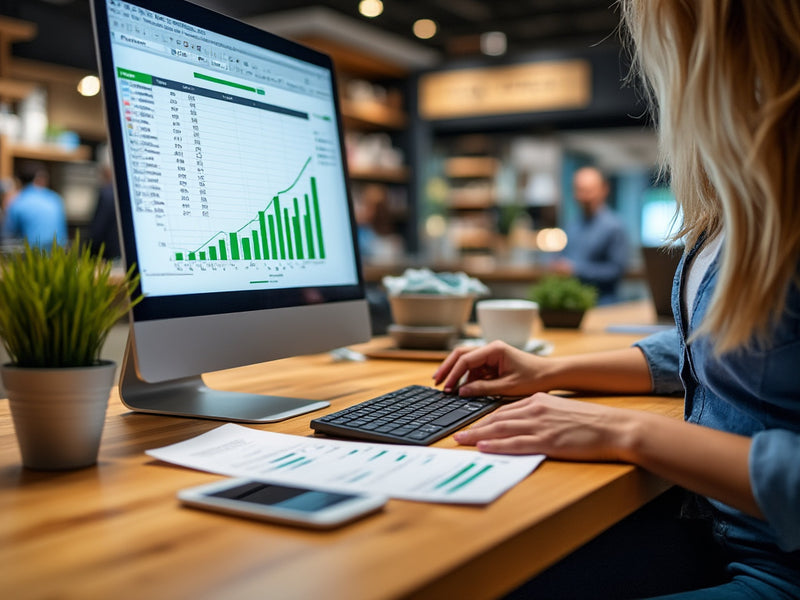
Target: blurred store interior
<point>464,121</point>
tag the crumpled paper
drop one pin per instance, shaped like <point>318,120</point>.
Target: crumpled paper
<point>425,281</point>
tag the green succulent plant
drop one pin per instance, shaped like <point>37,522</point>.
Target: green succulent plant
<point>563,293</point>
<point>57,305</point>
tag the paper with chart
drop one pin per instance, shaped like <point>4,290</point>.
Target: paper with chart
<point>409,472</point>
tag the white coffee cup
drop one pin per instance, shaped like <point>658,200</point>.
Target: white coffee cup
<point>511,321</point>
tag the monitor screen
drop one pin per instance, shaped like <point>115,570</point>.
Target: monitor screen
<point>231,190</point>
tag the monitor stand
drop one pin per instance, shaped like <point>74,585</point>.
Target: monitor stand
<point>190,397</point>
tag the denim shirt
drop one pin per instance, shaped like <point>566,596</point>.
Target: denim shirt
<point>753,391</point>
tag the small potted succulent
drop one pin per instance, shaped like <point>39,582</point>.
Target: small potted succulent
<point>562,300</point>
<point>57,306</point>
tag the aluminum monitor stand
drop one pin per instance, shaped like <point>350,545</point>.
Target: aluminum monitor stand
<point>190,397</point>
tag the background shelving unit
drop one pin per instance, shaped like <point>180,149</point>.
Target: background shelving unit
<point>471,201</point>
<point>369,115</point>
<point>12,151</point>
<point>73,174</point>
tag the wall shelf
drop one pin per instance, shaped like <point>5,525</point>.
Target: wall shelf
<point>471,166</point>
<point>379,174</point>
<point>11,151</point>
<point>372,115</point>
<point>18,78</point>
<point>50,152</point>
<point>471,198</point>
<point>12,89</point>
<point>15,30</point>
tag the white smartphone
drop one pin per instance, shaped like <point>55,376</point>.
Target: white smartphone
<point>279,503</point>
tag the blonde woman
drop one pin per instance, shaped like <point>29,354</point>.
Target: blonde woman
<point>725,76</point>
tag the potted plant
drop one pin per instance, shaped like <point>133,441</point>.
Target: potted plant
<point>57,306</point>
<point>562,300</point>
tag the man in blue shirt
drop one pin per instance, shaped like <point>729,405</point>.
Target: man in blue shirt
<point>37,213</point>
<point>597,245</point>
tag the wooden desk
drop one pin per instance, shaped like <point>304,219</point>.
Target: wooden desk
<point>116,530</point>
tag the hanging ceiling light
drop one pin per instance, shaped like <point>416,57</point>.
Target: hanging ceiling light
<point>89,86</point>
<point>425,29</point>
<point>370,8</point>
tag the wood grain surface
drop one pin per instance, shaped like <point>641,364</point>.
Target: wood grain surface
<point>116,530</point>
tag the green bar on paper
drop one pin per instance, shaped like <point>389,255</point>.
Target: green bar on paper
<point>291,462</point>
<point>179,256</point>
<point>192,256</point>
<point>234,245</point>
<point>202,256</point>
<point>276,203</point>
<point>309,235</point>
<point>469,480</point>
<point>262,225</point>
<point>317,218</point>
<point>223,250</point>
<point>281,458</point>
<point>454,477</point>
<point>232,84</point>
<point>256,245</point>
<point>212,253</point>
<point>298,237</point>
<point>246,248</point>
<point>288,229</point>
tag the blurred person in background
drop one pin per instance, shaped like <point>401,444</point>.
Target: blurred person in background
<point>376,238</point>
<point>103,229</point>
<point>35,214</point>
<point>597,250</point>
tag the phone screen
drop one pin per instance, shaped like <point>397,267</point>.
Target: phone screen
<point>282,496</point>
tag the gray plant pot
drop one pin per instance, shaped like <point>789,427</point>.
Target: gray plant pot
<point>58,414</point>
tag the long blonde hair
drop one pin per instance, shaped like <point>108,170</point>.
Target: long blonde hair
<point>725,75</point>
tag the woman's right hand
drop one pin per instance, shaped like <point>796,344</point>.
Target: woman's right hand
<point>492,370</point>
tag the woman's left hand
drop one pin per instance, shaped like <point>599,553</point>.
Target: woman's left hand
<point>555,426</point>
<point>709,462</point>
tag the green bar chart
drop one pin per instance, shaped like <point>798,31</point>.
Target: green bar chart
<point>288,228</point>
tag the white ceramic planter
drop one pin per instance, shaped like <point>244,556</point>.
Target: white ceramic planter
<point>58,414</point>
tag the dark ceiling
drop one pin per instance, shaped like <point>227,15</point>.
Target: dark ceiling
<point>65,34</point>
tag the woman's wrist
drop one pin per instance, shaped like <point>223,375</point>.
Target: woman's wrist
<point>553,374</point>
<point>628,435</point>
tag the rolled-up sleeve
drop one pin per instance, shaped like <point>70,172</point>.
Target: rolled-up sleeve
<point>662,351</point>
<point>775,478</point>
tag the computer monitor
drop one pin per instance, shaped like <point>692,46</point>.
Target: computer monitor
<point>232,201</point>
<point>661,218</point>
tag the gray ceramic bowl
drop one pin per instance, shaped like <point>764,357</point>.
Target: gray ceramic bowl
<point>431,310</point>
<point>423,338</point>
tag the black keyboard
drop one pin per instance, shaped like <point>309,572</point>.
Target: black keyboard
<point>415,414</point>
